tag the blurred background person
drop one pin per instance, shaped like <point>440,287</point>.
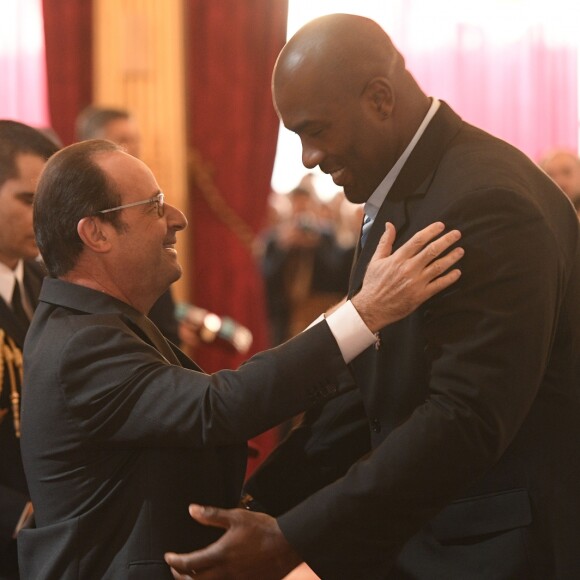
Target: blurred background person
<point>114,124</point>
<point>23,153</point>
<point>305,268</point>
<point>563,166</point>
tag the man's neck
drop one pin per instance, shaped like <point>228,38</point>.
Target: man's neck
<point>106,286</point>
<point>8,261</point>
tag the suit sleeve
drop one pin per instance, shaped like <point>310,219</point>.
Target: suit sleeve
<point>488,342</point>
<point>119,390</point>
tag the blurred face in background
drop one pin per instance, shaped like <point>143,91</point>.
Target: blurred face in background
<point>564,169</point>
<point>123,132</point>
<point>16,197</point>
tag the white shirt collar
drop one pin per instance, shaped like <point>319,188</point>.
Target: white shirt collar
<point>7,279</point>
<point>379,195</point>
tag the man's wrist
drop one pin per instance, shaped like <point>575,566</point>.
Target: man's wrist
<point>365,313</point>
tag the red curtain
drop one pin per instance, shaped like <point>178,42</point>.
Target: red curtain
<point>68,41</point>
<point>232,47</point>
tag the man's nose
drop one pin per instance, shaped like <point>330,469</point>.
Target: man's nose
<point>311,156</point>
<point>175,218</point>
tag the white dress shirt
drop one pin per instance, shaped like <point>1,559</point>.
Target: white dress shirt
<point>8,278</point>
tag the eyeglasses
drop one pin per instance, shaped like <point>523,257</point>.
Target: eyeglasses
<point>158,200</point>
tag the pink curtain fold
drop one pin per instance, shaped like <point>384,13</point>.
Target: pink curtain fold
<point>22,63</point>
<point>523,89</point>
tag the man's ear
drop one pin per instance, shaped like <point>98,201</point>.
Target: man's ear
<point>380,95</point>
<point>93,235</point>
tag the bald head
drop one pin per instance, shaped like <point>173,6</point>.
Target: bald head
<point>342,86</point>
<point>340,46</point>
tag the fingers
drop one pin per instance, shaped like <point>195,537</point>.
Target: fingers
<point>180,569</point>
<point>440,265</point>
<point>437,247</point>
<point>191,564</point>
<point>385,245</point>
<point>183,564</point>
<point>418,242</point>
<point>434,270</point>
<point>211,516</point>
<point>441,283</point>
<point>180,564</point>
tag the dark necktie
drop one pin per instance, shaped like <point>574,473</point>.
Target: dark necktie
<point>17,307</point>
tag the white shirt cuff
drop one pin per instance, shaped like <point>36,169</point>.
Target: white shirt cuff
<point>351,333</point>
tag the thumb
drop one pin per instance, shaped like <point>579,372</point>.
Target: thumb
<point>385,245</point>
<point>210,516</point>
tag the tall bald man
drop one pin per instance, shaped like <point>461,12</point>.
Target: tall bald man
<point>468,465</point>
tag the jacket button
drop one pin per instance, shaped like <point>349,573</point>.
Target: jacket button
<point>375,426</point>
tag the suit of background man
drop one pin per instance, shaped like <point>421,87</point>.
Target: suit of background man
<point>23,152</point>
<point>120,431</point>
<point>472,402</point>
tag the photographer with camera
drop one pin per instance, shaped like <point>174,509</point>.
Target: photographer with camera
<point>305,269</point>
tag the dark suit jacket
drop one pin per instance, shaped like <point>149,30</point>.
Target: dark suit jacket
<point>472,403</point>
<point>13,490</point>
<point>117,441</point>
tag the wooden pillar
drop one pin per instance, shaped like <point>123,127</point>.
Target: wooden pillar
<point>139,66</point>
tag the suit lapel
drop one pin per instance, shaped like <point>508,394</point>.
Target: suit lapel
<point>151,334</point>
<point>412,183</point>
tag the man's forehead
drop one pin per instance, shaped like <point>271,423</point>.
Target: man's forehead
<point>28,165</point>
<point>301,106</point>
<point>118,163</point>
<point>126,171</point>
